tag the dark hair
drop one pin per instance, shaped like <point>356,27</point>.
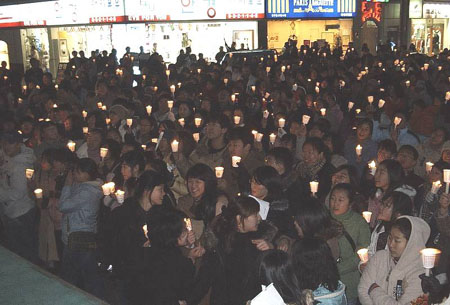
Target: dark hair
<point>404,225</point>
<point>270,179</point>
<point>314,264</point>
<point>346,187</point>
<point>401,204</point>
<point>282,155</point>
<point>219,118</point>
<point>134,158</point>
<point>365,122</point>
<point>395,173</point>
<point>225,226</point>
<point>241,133</point>
<point>352,174</point>
<point>147,182</point>
<point>388,145</point>
<point>206,209</point>
<point>312,217</point>
<point>164,227</point>
<point>441,165</point>
<point>411,150</point>
<point>318,145</point>
<point>275,267</point>
<point>88,166</point>
<point>114,148</point>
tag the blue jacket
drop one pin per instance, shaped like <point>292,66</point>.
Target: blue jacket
<point>326,297</point>
<point>79,204</point>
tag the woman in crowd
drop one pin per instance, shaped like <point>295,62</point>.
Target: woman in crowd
<point>356,235</point>
<point>392,275</point>
<point>315,268</point>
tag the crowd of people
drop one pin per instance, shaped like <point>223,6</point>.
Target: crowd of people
<point>315,176</point>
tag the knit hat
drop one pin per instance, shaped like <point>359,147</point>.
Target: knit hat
<point>121,111</point>
<point>445,146</point>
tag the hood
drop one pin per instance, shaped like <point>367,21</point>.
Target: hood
<point>420,233</point>
<point>25,157</point>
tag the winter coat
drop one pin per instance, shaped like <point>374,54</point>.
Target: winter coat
<point>326,297</point>
<point>382,270</point>
<point>14,199</point>
<point>369,152</point>
<point>355,225</point>
<point>79,204</point>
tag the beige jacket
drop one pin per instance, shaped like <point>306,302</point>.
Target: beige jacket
<point>381,269</point>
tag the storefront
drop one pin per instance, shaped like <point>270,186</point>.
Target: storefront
<point>430,26</point>
<point>56,28</point>
<point>310,20</point>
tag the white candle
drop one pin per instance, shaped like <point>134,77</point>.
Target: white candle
<point>103,152</point>
<point>55,106</point>
<point>71,145</point>
<point>408,83</point>
<point>225,81</point>
<point>281,122</point>
<point>144,228</point>
<point>106,189</point>
<point>350,105</point>
<point>266,114</point>
<point>363,255</point>
<point>305,119</point>
<point>373,167</point>
<point>426,66</point>
<point>233,98</point>
<point>237,119</point>
<point>429,166</point>
<point>172,88</point>
<point>314,186</point>
<point>435,187</point>
<point>198,122</point>
<point>235,160</point>
<point>168,72</point>
<point>447,179</point>
<point>174,146</point>
<point>267,70</point>
<point>272,138</point>
<point>358,149</point>
<point>219,172</point>
<point>429,258</point>
<point>188,223</point>
<point>358,111</point>
<point>199,71</point>
<point>259,137</point>
<point>397,121</point>
<point>323,111</point>
<point>29,173</point>
<point>38,193</point>
<point>155,88</point>
<point>381,103</point>
<point>367,215</point>
<point>84,113</point>
<point>170,105</point>
<point>283,69</point>
<point>317,89</point>
<point>85,130</point>
<point>196,136</point>
<point>253,89</point>
<point>181,122</point>
<point>149,109</point>
<point>275,57</point>
<point>107,121</point>
<point>144,147</point>
<point>447,95</point>
<point>370,99</point>
<point>254,133</point>
<point>99,105</point>
<point>129,122</point>
<point>104,107</point>
<point>155,140</point>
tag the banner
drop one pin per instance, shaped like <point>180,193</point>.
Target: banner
<point>310,8</point>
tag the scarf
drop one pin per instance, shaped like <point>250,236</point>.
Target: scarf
<point>309,172</point>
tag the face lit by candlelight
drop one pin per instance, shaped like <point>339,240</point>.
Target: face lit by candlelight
<point>363,132</point>
<point>339,202</point>
<point>258,190</point>
<point>157,195</point>
<point>310,155</point>
<point>382,178</point>
<point>397,242</point>
<point>196,187</point>
<point>248,224</point>
<point>341,176</point>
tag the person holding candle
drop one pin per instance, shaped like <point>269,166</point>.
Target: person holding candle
<point>315,166</point>
<point>50,138</point>
<point>364,139</point>
<point>18,212</point>
<point>316,269</point>
<point>356,235</point>
<point>430,150</point>
<point>147,129</point>
<point>399,133</point>
<point>79,204</point>
<point>91,148</point>
<point>392,275</point>
<point>133,164</point>
<point>332,142</point>
<point>407,156</point>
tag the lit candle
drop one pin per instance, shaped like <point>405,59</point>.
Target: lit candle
<point>85,130</point>
<point>219,172</point>
<point>447,95</point>
<point>425,66</point>
<point>350,105</point>
<point>446,179</point>
<point>38,193</point>
<point>358,150</point>
<point>104,107</point>
<point>168,73</point>
<point>144,228</point>
<point>408,83</point>
<point>429,166</point>
<point>196,136</point>
<point>225,81</point>
<point>106,189</point>
<point>107,121</point>
<point>38,87</point>
<point>99,105</point>
<point>237,119</point>
<point>233,98</point>
<point>103,152</point>
<point>381,103</point>
<point>188,223</point>
<point>144,147</point>
<point>266,114</point>
<point>267,70</point>
<point>149,109</point>
<point>198,122</point>
<point>363,255</point>
<point>435,187</point>
<point>84,113</point>
<point>29,173</point>
<point>254,133</point>
<point>305,119</point>
<point>317,89</point>
<point>71,145</point>
<point>367,215</point>
<point>155,88</point>
<point>373,167</point>
<point>370,99</point>
<point>397,121</point>
<point>170,105</point>
<point>174,146</point>
<point>235,160</point>
<point>259,137</point>
<point>358,111</point>
<point>272,138</point>
<point>314,186</point>
<point>199,71</point>
<point>323,111</point>
<point>181,122</point>
<point>172,89</point>
<point>55,106</point>
<point>254,89</point>
<point>144,77</point>
<point>281,122</point>
<point>129,122</point>
<point>283,69</point>
<point>429,258</point>
<point>275,57</point>
<point>155,140</point>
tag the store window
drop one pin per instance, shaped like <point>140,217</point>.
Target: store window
<point>4,54</point>
<point>428,35</point>
<point>36,45</point>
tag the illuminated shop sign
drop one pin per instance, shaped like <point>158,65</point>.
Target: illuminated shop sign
<point>436,10</point>
<point>310,8</point>
<point>371,11</point>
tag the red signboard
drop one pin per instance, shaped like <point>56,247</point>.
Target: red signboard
<point>371,11</point>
